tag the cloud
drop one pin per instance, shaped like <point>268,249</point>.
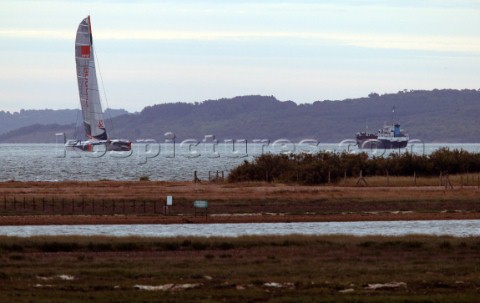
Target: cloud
<point>376,41</point>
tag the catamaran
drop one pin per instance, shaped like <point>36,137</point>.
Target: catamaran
<point>92,114</point>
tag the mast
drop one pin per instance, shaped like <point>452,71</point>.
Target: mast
<point>87,83</point>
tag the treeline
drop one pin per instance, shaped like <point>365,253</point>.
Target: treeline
<point>327,166</point>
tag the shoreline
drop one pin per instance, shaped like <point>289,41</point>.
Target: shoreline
<point>225,218</point>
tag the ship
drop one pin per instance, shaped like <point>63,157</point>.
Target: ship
<point>390,136</point>
<point>95,130</point>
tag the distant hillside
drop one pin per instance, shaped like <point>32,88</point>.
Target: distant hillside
<point>38,133</point>
<point>433,116</point>
<point>12,121</point>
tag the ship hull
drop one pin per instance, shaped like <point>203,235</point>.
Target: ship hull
<point>381,144</point>
<point>390,144</point>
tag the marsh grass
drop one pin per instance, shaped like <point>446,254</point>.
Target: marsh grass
<point>105,269</point>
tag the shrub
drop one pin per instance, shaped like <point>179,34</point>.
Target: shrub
<point>325,166</point>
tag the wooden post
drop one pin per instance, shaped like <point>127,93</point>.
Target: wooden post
<point>415,178</point>
<point>448,184</point>
<point>361,179</point>
<point>195,178</point>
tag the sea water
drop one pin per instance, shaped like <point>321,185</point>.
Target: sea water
<point>458,228</point>
<point>166,162</point>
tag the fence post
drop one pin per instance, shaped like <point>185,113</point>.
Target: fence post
<point>415,178</point>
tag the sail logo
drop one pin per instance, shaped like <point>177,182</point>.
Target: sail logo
<point>100,124</point>
<point>85,75</point>
<point>85,51</point>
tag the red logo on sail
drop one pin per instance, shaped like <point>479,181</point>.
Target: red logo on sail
<point>100,124</point>
<point>85,51</point>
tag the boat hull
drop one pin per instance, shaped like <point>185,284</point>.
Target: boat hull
<point>89,146</point>
<point>381,144</point>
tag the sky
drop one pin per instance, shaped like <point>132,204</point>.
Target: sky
<point>151,52</point>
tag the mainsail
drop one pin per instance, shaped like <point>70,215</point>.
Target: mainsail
<point>87,83</point>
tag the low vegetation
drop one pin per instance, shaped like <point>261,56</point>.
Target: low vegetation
<point>245,269</point>
<point>326,167</point>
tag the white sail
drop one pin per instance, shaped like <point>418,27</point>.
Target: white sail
<point>87,83</point>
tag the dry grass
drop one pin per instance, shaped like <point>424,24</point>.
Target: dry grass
<point>458,181</point>
<point>299,203</point>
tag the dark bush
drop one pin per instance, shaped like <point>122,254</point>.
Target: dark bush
<point>326,166</point>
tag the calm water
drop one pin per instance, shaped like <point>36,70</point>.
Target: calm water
<point>49,162</point>
<point>458,228</point>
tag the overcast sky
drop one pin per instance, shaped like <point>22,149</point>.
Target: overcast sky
<point>154,52</point>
